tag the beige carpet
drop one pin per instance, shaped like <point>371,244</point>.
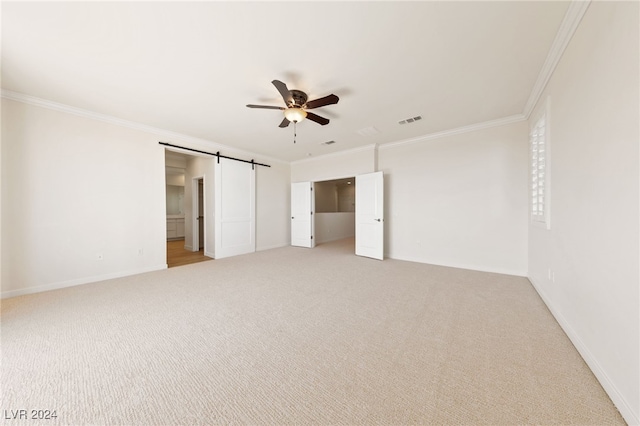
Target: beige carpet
<point>296,336</point>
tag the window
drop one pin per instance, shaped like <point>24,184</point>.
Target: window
<point>539,141</point>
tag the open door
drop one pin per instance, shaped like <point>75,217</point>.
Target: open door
<point>235,218</point>
<point>201,217</point>
<point>302,206</point>
<point>198,209</point>
<point>370,215</point>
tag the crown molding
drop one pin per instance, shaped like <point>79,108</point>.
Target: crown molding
<point>567,29</point>
<point>335,154</point>
<point>204,144</point>
<point>458,130</point>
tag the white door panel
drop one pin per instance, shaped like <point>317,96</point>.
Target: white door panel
<point>302,205</point>
<point>235,219</point>
<point>201,216</point>
<point>370,215</point>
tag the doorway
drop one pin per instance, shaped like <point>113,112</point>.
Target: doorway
<point>188,172</point>
<point>335,206</point>
<point>368,206</point>
<point>219,202</point>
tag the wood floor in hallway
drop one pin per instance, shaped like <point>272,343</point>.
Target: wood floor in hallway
<point>178,256</point>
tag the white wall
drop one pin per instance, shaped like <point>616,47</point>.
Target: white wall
<point>334,226</point>
<point>273,205</point>
<point>459,200</point>
<point>74,187</point>
<point>335,166</point>
<point>592,248</point>
<point>2,179</point>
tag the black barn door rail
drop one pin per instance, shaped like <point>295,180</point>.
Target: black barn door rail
<point>216,154</point>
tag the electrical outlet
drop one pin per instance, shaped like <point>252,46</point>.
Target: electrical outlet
<point>140,252</point>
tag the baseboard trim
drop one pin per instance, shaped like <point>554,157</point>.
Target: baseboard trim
<point>330,239</point>
<point>209,254</point>
<point>78,281</point>
<point>503,271</point>
<point>275,246</point>
<point>610,388</point>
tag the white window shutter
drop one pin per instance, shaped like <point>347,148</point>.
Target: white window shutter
<point>539,179</point>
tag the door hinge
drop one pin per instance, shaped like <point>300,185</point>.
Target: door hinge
<point>311,212</point>
<point>312,237</point>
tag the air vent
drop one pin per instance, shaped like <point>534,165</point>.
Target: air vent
<point>410,120</point>
<point>328,143</point>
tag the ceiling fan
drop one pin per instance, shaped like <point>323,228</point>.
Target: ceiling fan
<point>297,105</point>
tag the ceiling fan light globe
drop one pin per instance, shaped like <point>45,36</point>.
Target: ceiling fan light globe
<point>295,114</point>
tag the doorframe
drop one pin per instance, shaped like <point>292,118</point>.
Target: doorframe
<point>195,225</point>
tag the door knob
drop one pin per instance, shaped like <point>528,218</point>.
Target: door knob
<point>378,220</point>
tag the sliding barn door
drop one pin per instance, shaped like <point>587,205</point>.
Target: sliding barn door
<point>370,215</point>
<point>302,206</point>
<point>235,218</point>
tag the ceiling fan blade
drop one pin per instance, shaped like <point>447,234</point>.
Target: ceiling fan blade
<point>265,107</point>
<point>327,100</point>
<point>320,120</point>
<point>285,123</point>
<point>284,91</point>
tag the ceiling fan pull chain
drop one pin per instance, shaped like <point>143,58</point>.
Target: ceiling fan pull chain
<point>295,132</point>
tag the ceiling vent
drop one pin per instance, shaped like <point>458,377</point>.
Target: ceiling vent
<point>410,120</point>
<point>328,143</point>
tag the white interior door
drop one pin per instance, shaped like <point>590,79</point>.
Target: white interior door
<point>235,218</point>
<point>370,215</point>
<point>198,210</point>
<point>302,205</point>
<point>201,217</point>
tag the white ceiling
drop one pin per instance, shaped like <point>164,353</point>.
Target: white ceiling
<point>192,67</point>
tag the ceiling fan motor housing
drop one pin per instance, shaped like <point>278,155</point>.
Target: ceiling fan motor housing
<point>299,98</point>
